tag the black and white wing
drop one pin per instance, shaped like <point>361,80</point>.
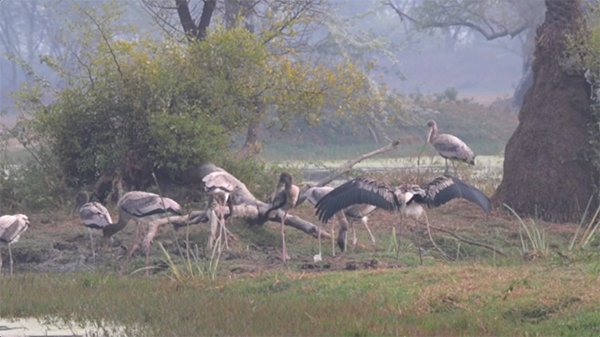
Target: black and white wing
<point>94,215</point>
<point>316,193</point>
<point>12,226</point>
<point>357,191</point>
<point>141,204</point>
<point>445,188</point>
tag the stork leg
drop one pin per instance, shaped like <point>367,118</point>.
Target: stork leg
<point>11,259</point>
<point>92,245</point>
<point>219,240</point>
<point>319,256</point>
<point>454,167</point>
<point>354,238</point>
<point>226,232</point>
<point>284,254</point>
<point>223,230</point>
<point>134,247</point>
<point>446,166</point>
<point>152,231</point>
<point>214,226</point>
<point>342,233</point>
<point>364,221</point>
<point>332,239</point>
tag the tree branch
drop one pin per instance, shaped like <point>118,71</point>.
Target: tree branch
<point>465,240</point>
<point>350,163</point>
<point>346,167</point>
<point>106,41</point>
<point>185,17</point>
<point>489,35</point>
<point>207,12</point>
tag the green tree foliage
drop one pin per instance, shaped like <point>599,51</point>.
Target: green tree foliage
<point>139,110</point>
<point>133,106</point>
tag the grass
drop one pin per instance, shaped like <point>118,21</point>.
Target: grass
<point>397,287</point>
<point>450,300</point>
<point>534,244</point>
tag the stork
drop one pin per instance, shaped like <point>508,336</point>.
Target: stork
<point>142,207</point>
<point>449,146</point>
<point>11,228</point>
<point>406,199</point>
<point>93,215</point>
<point>352,213</point>
<point>225,190</point>
<point>284,198</point>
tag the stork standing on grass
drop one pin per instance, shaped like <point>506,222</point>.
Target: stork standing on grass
<point>359,212</point>
<point>224,190</point>
<point>406,199</point>
<point>11,228</point>
<point>93,215</point>
<point>449,146</point>
<point>284,198</point>
<point>141,207</point>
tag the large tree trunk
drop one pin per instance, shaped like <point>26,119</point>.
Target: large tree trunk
<point>546,172</point>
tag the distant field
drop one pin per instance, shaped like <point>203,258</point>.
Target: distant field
<point>307,151</point>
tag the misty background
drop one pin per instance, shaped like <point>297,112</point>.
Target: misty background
<point>406,59</point>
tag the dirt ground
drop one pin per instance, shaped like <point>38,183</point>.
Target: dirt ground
<point>59,243</point>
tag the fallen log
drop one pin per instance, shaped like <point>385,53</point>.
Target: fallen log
<point>252,213</point>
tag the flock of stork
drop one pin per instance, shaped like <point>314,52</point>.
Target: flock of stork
<point>355,199</point>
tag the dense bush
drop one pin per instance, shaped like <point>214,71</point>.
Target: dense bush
<point>141,115</point>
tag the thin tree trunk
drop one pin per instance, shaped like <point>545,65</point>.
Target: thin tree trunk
<point>252,144</point>
<point>207,12</point>
<point>191,30</point>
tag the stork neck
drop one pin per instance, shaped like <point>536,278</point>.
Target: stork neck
<point>113,228</point>
<point>433,130</point>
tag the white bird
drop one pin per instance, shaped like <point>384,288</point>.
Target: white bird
<point>353,213</point>
<point>449,146</point>
<point>406,199</point>
<point>11,228</point>
<point>142,207</point>
<point>284,198</point>
<point>225,190</point>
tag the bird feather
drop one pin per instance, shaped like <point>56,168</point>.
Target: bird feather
<point>357,191</point>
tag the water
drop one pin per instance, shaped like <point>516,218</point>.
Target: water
<point>31,327</point>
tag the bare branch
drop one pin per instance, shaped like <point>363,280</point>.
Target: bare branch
<point>349,164</point>
<point>490,33</point>
<point>207,12</point>
<point>466,240</point>
<point>185,17</point>
<point>104,37</point>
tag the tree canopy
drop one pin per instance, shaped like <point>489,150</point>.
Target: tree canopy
<point>134,106</point>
